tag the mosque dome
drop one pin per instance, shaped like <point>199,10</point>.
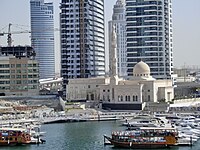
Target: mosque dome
<point>141,69</point>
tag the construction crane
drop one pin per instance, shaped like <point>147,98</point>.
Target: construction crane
<point>9,33</point>
<point>9,40</point>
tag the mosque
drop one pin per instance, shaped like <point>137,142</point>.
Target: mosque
<point>116,93</point>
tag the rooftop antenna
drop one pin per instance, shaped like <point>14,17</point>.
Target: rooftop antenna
<point>9,40</point>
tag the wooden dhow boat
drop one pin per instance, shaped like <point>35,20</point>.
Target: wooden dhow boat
<point>14,136</point>
<point>143,138</point>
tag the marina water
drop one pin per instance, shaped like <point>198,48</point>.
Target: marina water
<point>80,136</point>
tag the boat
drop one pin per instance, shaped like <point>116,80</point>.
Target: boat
<point>30,130</point>
<point>14,136</point>
<point>147,121</point>
<point>141,123</point>
<point>186,140</point>
<point>138,118</point>
<point>143,138</point>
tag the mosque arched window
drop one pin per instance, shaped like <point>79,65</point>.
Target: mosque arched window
<point>129,98</point>
<point>133,97</point>
<point>121,98</point>
<point>92,96</point>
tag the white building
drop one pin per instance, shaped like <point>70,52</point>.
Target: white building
<point>149,36</point>
<point>42,36</point>
<point>119,21</point>
<point>116,92</point>
<point>82,39</point>
<point>119,94</point>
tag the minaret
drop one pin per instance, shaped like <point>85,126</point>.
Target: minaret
<point>119,21</point>
<point>113,52</point>
<point>113,59</point>
<point>120,2</point>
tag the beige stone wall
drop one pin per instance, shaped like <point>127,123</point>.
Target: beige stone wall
<point>84,89</point>
<point>119,91</point>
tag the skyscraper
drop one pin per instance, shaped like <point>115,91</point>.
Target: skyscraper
<point>42,34</point>
<point>82,39</point>
<point>119,21</point>
<point>149,36</point>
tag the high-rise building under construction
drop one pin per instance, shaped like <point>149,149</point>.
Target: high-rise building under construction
<point>82,39</point>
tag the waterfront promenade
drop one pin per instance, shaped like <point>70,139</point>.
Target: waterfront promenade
<point>71,117</point>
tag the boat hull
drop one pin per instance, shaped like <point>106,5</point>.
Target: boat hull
<point>134,145</point>
<point>9,144</point>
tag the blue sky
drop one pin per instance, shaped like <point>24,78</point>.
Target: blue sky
<point>186,26</point>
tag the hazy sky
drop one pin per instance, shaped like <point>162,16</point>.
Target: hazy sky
<point>186,26</point>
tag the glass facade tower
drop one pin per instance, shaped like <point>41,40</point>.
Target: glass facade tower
<point>82,39</point>
<point>149,36</point>
<point>42,35</point>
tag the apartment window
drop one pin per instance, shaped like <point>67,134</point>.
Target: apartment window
<point>4,71</point>
<point>19,82</point>
<point>12,82</point>
<point>18,65</point>
<point>4,66</point>
<point>24,71</point>
<point>34,65</point>
<point>18,76</point>
<point>24,81</point>
<point>24,65</point>
<point>18,71</point>
<point>24,76</point>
